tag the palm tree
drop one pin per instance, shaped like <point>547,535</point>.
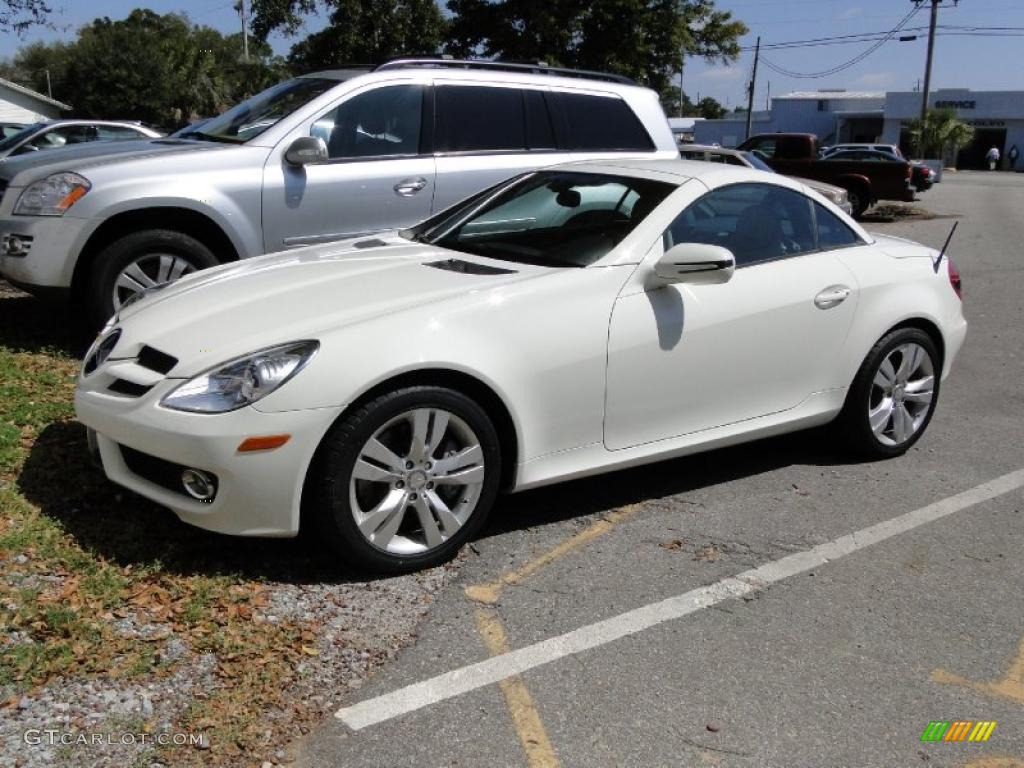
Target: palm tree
<point>938,133</point>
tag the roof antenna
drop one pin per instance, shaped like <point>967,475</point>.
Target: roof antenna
<point>942,253</point>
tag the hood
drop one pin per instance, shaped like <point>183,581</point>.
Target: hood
<point>82,156</point>
<point>215,315</point>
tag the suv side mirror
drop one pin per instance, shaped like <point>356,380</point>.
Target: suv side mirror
<point>307,150</point>
<point>696,263</point>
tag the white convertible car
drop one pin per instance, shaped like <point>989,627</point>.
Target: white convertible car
<point>571,321</point>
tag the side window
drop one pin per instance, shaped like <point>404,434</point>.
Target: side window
<point>479,118</point>
<point>757,222</point>
<point>117,133</point>
<point>539,133</point>
<point>764,147</point>
<point>599,123</point>
<point>832,232</point>
<point>379,123</point>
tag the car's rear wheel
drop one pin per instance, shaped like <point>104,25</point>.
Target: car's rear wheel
<point>404,481</point>
<point>139,261</point>
<point>859,200</point>
<point>893,395</point>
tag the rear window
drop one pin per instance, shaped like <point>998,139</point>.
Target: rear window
<point>596,123</point>
<point>475,118</point>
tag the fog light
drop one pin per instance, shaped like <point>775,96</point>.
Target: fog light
<point>198,484</point>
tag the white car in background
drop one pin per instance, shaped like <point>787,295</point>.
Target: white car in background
<point>889,149</point>
<point>570,321</point>
<point>712,153</point>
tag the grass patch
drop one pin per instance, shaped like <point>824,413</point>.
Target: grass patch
<point>93,580</point>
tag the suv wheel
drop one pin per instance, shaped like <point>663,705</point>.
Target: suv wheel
<point>404,481</point>
<point>139,261</point>
<point>859,200</point>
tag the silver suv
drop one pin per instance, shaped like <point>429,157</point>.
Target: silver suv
<point>321,157</point>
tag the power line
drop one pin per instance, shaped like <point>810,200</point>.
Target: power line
<point>846,65</point>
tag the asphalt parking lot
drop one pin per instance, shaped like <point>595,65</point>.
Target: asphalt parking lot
<point>792,642</point>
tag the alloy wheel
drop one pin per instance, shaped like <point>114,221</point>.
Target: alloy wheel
<point>901,394</point>
<point>416,481</point>
<point>149,271</point>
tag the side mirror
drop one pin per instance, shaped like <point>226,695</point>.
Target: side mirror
<point>696,263</point>
<point>307,150</point>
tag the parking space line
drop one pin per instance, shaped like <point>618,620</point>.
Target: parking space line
<point>458,681</point>
<point>525,717</point>
<point>488,593</point>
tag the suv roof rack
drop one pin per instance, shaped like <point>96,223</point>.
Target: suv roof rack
<point>535,67</point>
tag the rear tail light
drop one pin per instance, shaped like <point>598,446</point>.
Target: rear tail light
<point>910,171</point>
<point>954,277</point>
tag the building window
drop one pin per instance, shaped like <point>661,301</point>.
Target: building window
<point>823,105</point>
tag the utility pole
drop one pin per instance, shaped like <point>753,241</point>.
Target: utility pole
<point>768,97</point>
<point>49,89</point>
<point>753,84</point>
<point>931,51</point>
<point>240,7</point>
<point>682,62</point>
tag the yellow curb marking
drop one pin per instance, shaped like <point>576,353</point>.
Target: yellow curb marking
<point>488,593</point>
<point>525,717</point>
<point>1011,686</point>
<point>995,761</point>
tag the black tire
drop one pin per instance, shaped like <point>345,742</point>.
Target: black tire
<point>118,255</point>
<point>853,423</point>
<point>327,506</point>
<point>860,199</point>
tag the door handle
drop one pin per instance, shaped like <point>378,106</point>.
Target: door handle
<point>409,187</point>
<point>832,296</point>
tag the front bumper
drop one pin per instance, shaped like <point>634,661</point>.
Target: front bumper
<point>40,251</point>
<point>259,493</point>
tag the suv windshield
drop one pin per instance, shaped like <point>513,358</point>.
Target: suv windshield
<point>16,138</point>
<point>554,219</point>
<point>253,116</point>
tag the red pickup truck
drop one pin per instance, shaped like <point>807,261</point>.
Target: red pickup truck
<point>866,182</point>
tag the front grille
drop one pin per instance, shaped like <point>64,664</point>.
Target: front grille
<point>158,471</point>
<point>129,388</point>
<point>155,360</point>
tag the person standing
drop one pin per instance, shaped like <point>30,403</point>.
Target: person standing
<point>1014,153</point>
<point>992,156</point>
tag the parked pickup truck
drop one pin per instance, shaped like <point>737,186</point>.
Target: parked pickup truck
<point>865,182</point>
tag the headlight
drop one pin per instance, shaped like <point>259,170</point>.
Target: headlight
<point>241,381</point>
<point>53,195</point>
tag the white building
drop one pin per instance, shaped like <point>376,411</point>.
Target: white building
<point>19,104</point>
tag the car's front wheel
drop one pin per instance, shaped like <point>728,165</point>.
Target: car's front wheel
<point>138,261</point>
<point>402,482</point>
<point>894,394</point>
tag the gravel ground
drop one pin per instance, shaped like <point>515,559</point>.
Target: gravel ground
<point>364,626</point>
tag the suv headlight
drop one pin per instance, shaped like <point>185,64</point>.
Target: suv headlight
<point>53,195</point>
<point>242,381</point>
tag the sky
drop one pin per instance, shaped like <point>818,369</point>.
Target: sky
<point>979,63</point>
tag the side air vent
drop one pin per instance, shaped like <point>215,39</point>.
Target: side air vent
<point>129,388</point>
<point>468,267</point>
<point>374,243</point>
<point>156,360</point>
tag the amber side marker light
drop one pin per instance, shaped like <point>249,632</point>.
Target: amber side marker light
<point>263,443</point>
<point>71,197</point>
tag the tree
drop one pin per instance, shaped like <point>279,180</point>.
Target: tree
<point>20,15</point>
<point>358,32</point>
<point>160,69</point>
<point>710,109</point>
<point>940,132</point>
<point>644,39</point>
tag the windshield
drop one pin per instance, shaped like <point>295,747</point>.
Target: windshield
<point>16,138</point>
<point>554,219</point>
<point>757,162</point>
<point>253,116</point>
